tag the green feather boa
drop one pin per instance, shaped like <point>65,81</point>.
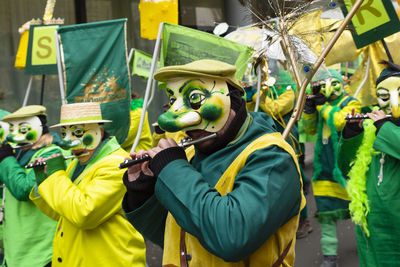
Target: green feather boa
<point>356,186</point>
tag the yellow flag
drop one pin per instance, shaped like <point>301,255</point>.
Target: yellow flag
<point>153,12</point>
<point>20,59</point>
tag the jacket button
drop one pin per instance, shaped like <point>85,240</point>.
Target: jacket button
<point>188,257</point>
<point>59,259</point>
<point>62,233</point>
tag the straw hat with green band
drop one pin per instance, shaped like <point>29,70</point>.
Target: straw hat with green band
<point>27,111</point>
<point>201,68</point>
<point>80,113</point>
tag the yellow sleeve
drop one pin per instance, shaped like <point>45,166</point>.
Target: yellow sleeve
<point>42,205</point>
<point>92,204</point>
<point>278,107</point>
<point>145,141</point>
<point>338,117</point>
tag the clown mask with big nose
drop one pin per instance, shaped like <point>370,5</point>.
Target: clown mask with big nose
<point>81,137</point>
<point>387,92</point>
<point>25,131</point>
<point>196,104</point>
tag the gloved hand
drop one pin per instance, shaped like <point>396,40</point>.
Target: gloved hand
<point>5,151</point>
<point>319,99</point>
<point>309,106</point>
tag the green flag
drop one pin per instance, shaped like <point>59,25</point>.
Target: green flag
<point>141,63</point>
<point>183,45</point>
<point>95,69</point>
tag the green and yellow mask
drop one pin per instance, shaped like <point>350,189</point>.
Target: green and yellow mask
<point>387,92</point>
<point>331,88</point>
<point>81,136</point>
<point>197,103</point>
<point>24,130</point>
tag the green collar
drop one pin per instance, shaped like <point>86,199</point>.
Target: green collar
<point>243,129</point>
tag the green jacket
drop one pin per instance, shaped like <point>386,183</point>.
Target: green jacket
<point>381,247</point>
<point>266,194</point>
<point>28,233</point>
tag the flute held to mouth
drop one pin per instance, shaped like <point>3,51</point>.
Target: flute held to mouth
<point>184,143</point>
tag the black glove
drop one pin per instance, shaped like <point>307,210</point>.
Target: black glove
<point>309,106</point>
<point>379,123</point>
<point>319,99</point>
<point>5,151</point>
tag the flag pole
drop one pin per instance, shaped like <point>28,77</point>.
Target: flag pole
<point>148,86</point>
<point>28,91</point>
<point>59,67</point>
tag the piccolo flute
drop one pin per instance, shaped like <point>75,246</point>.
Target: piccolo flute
<point>184,143</point>
<point>361,117</point>
<point>37,164</point>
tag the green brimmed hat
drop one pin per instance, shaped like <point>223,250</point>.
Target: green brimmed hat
<point>204,68</point>
<point>80,113</point>
<point>322,74</point>
<point>27,111</point>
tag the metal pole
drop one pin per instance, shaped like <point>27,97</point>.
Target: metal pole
<point>387,50</point>
<point>258,87</point>
<point>59,67</point>
<point>148,86</point>
<point>42,89</point>
<point>301,100</point>
<point>28,91</point>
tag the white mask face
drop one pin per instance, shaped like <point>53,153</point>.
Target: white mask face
<point>388,92</point>
<point>4,130</point>
<point>196,104</point>
<point>27,130</point>
<point>82,136</point>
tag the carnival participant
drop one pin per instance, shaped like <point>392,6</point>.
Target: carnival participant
<point>324,114</point>
<point>28,233</point>
<point>85,198</point>
<point>237,201</point>
<point>145,141</point>
<point>373,146</point>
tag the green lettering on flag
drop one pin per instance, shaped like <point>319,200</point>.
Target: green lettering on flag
<point>183,45</point>
<point>95,69</point>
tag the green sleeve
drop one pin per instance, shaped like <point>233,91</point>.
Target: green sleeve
<point>149,219</point>
<point>266,194</point>
<point>347,151</point>
<point>17,179</point>
<point>388,139</point>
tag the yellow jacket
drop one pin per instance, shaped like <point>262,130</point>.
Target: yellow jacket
<point>92,229</point>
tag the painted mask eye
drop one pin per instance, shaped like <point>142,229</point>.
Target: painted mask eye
<point>172,101</point>
<point>11,127</point>
<point>79,132</point>
<point>24,128</point>
<point>196,99</point>
<point>63,132</point>
<point>383,95</point>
